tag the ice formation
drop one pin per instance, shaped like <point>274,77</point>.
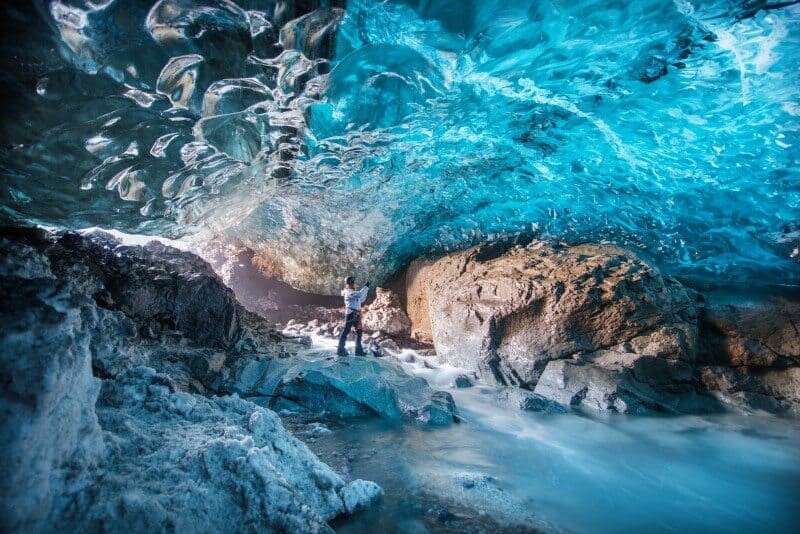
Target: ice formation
<point>650,147</point>
<point>333,137</point>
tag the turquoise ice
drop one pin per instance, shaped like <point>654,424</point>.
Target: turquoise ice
<point>397,128</point>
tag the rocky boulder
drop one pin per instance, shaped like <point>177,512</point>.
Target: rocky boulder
<point>159,288</point>
<point>386,314</point>
<point>351,387</point>
<point>510,314</point>
<point>594,326</point>
<point>223,460</point>
<point>749,354</point>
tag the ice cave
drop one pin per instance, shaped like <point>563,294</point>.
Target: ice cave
<point>409,266</point>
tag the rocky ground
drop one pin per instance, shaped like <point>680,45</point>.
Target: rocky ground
<point>117,362</point>
<point>590,327</point>
<point>139,393</point>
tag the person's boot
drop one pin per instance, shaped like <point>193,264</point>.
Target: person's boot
<point>359,348</point>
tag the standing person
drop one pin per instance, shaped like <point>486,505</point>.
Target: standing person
<point>353,299</point>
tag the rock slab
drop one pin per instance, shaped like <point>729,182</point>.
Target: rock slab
<point>349,387</point>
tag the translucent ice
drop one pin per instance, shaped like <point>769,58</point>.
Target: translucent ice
<point>381,130</point>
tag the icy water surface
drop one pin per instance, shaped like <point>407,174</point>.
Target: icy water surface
<point>502,468</point>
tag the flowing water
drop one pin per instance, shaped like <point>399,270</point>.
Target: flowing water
<point>506,469</point>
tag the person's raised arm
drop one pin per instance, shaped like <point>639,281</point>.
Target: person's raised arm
<point>362,293</point>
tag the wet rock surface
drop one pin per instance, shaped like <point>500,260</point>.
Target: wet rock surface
<point>347,387</point>
<point>523,399</point>
<point>138,446</point>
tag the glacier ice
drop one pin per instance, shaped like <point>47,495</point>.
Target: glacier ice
<point>358,136</point>
<point>332,137</point>
<point>312,382</point>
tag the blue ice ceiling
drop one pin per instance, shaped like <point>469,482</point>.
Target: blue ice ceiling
<point>360,136</point>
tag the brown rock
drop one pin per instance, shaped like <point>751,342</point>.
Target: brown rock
<point>509,314</point>
<point>751,354</point>
<point>773,390</point>
<point>761,335</point>
<point>386,314</point>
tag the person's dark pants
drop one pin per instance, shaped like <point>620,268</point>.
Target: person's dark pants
<point>352,320</point>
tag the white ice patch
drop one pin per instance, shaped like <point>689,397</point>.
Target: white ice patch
<point>137,239</point>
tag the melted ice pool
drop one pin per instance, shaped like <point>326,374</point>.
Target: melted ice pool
<point>503,468</point>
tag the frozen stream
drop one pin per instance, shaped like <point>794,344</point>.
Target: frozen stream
<point>502,468</point>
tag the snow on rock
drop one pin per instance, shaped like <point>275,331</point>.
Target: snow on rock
<point>204,464</point>
<point>360,494</point>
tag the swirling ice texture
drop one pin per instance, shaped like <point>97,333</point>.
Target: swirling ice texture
<point>670,128</point>
<point>663,127</point>
<point>156,117</point>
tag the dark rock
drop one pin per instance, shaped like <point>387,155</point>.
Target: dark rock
<point>462,381</point>
<point>158,287</point>
<point>160,306</point>
<point>529,401</point>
